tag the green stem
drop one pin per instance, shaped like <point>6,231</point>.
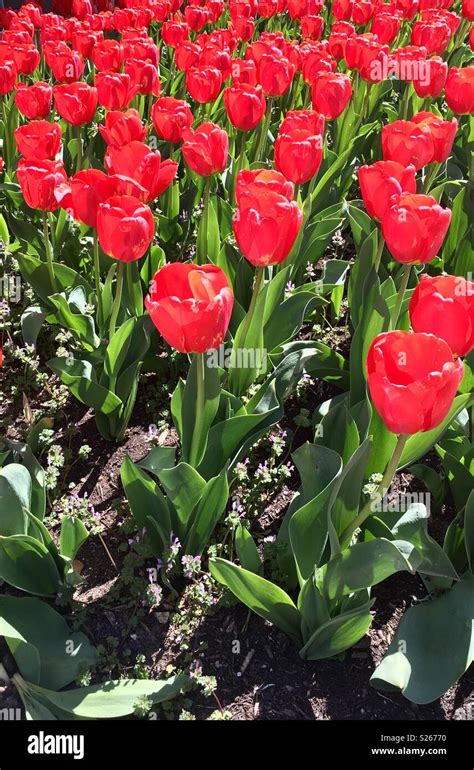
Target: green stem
<point>259,274</point>
<point>201,258</point>
<point>430,177</point>
<point>378,256</point>
<point>400,295</point>
<point>264,131</point>
<point>98,288</point>
<point>240,146</point>
<point>382,490</point>
<point>117,300</point>
<point>194,458</point>
<point>49,256</point>
<point>79,148</point>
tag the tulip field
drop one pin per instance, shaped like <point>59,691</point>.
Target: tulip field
<point>237,359</point>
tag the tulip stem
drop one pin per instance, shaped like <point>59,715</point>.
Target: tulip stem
<point>259,275</point>
<point>430,177</point>
<point>265,126</point>
<point>117,300</point>
<point>98,289</point>
<point>400,296</point>
<point>79,148</point>
<point>194,458</point>
<point>49,256</point>
<point>382,490</point>
<point>378,256</point>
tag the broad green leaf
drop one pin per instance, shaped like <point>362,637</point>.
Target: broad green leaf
<point>184,487</point>
<point>263,597</point>
<point>26,564</point>
<point>337,635</point>
<point>15,497</point>
<point>209,510</point>
<point>247,550</point>
<point>194,433</point>
<point>432,647</point>
<point>338,432</point>
<point>147,502</point>
<point>73,535</point>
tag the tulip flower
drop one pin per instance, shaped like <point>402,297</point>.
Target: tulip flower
<point>67,66</point>
<point>115,90</point>
<point>305,120</point>
<point>459,90</point>
<point>245,105</point>
<point>8,76</point>
<point>191,306</point>
<point>205,150</point>
<point>171,117</point>
<point>144,76</point>
<point>385,26</point>
<point>123,127</point>
<point>331,93</point>
<point>275,74</point>
<point>38,140</point>
<point>412,380</point>
<point>443,133</point>
<point>433,35</point>
<point>137,161</point>
<point>444,306</point>
<point>75,102</point>
<point>261,179</point>
<point>383,180</point>
<point>433,80</point>
<point>26,57</point>
<point>407,143</point>
<point>298,155</point>
<point>414,228</point>
<point>203,83</point>
<point>108,55</point>
<point>266,225</point>
<point>337,40</point>
<point>34,102</point>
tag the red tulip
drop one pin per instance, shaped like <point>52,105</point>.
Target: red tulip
<point>243,28</point>
<point>275,74</point>
<point>196,17</point>
<point>245,105</point>
<point>75,102</point>
<point>431,82</point>
<point>362,12</point>
<point>191,306</point>
<point>412,380</point>
<point>408,8</point>
<point>305,120</point>
<point>261,179</point>
<point>337,41</point>
<point>114,89</point>
<point>144,76</point>
<point>298,155</point>
<point>331,93</point>
<point>468,9</point>
<point>266,225</point>
<point>38,140</point>
<point>107,56</point>
<point>206,149</point>
<point>459,91</point>
<point>444,306</point>
<point>443,133</point>
<point>89,189</point>
<point>312,27</point>
<point>186,55</point>
<point>26,57</point>
<point>174,33</point>
<point>314,63</point>
<point>67,66</point>
<point>406,142</point>
<point>386,26</point>
<point>342,9</point>
<point>380,181</point>
<point>123,127</point>
<point>170,118</point>
<point>34,101</point>
<point>84,41</point>
<point>433,35</point>
<point>7,77</point>
<point>137,161</point>
<point>203,83</point>
<point>43,183</point>
<point>414,228</point>
<point>125,227</point>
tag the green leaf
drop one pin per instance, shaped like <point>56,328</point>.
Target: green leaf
<point>73,535</point>
<point>147,503</point>
<point>469,530</point>
<point>79,377</point>
<point>361,566</point>
<point>432,647</point>
<point>413,527</point>
<point>158,458</point>
<point>35,272</point>
<point>338,432</point>
<point>184,487</point>
<point>337,635</point>
<point>189,422</point>
<point>15,497</point>
<point>22,454</point>
<point>247,550</point>
<point>46,651</point>
<point>349,489</point>
<point>210,508</point>
<point>116,698</point>
<point>262,597</point>
<point>26,564</point>
<point>313,608</point>
<point>32,320</point>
